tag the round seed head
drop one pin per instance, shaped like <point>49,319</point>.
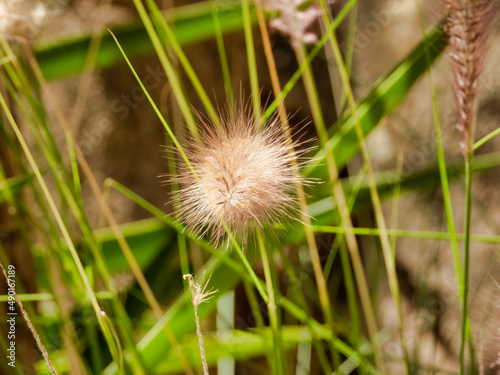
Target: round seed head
<point>243,178</point>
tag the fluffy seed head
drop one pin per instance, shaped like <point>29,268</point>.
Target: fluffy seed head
<point>243,178</point>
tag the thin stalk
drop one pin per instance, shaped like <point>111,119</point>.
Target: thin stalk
<point>29,323</point>
<point>155,108</point>
<point>313,100</point>
<point>246,264</point>
<point>447,201</point>
<point>379,215</point>
<point>160,20</point>
<point>311,240</point>
<point>404,233</point>
<point>325,333</point>
<point>271,308</point>
<point>446,192</point>
<point>181,240</point>
<point>339,195</point>
<point>222,53</point>
<point>354,331</point>
<point>310,57</point>
<point>136,270</point>
<point>306,219</point>
<point>199,294</point>
<point>395,204</point>
<point>465,285</point>
<point>200,341</point>
<point>169,70</point>
<point>67,238</point>
<point>252,65</point>
<point>295,287</point>
<point>442,166</point>
<point>486,138</point>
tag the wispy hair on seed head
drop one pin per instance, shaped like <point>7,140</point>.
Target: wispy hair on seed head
<point>243,177</point>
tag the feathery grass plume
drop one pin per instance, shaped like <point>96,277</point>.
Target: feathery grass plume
<point>199,294</point>
<point>241,179</point>
<point>467,27</point>
<point>293,20</point>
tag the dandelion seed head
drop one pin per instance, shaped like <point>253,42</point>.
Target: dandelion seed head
<point>244,178</point>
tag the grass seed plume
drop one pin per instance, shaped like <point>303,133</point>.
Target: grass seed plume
<point>468,28</point>
<point>243,178</point>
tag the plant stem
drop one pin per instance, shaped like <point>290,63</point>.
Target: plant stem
<point>127,252</point>
<point>222,53</point>
<point>447,199</point>
<point>465,285</point>
<point>200,341</point>
<point>377,207</point>
<point>271,308</point>
<point>313,100</point>
<point>339,195</point>
<point>486,138</point>
<point>173,78</point>
<point>252,65</point>
<point>60,223</point>
<point>403,233</point>
<point>305,218</point>
<point>29,323</point>
<point>246,264</point>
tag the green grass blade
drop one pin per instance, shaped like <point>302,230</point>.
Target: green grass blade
<point>381,101</point>
<point>13,185</point>
<point>59,58</point>
<point>240,345</point>
<point>147,238</point>
<point>161,23</point>
<point>324,209</point>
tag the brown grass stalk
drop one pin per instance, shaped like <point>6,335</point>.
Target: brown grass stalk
<point>29,323</point>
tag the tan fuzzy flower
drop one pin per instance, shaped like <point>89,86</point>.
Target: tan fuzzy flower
<point>243,178</point>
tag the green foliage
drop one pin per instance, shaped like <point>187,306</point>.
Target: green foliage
<point>134,329</point>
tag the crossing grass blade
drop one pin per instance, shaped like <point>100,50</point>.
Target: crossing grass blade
<point>383,99</point>
<point>64,57</point>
